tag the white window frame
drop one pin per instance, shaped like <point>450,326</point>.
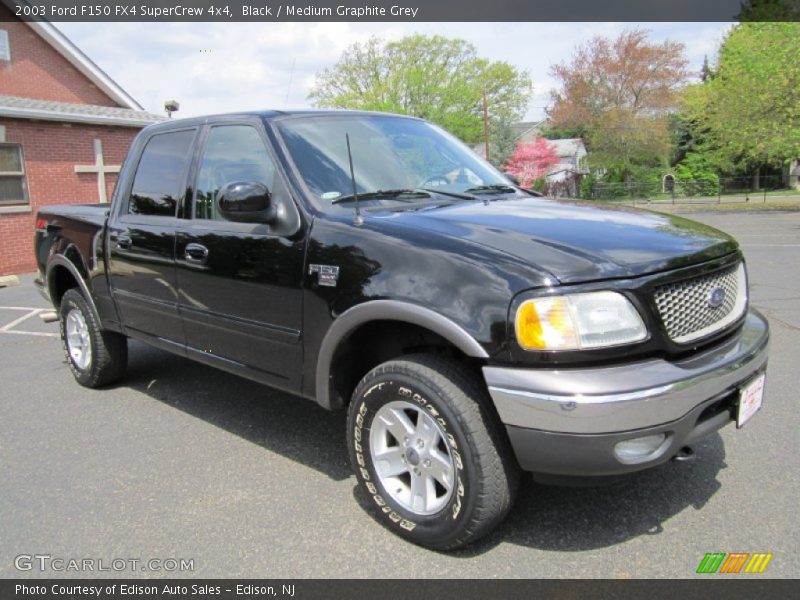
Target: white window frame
<point>20,174</point>
<point>5,46</point>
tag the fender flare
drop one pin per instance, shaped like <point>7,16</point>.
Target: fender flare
<point>384,310</point>
<point>61,261</point>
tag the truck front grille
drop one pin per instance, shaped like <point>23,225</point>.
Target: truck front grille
<point>695,308</point>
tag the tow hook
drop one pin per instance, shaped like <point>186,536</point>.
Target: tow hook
<point>685,454</point>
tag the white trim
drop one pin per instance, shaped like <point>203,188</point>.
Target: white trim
<point>13,209</point>
<point>47,115</point>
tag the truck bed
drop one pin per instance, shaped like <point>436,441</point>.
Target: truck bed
<point>56,215</point>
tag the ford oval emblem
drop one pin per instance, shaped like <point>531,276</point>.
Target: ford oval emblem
<point>716,297</point>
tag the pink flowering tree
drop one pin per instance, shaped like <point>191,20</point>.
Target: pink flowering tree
<point>532,160</point>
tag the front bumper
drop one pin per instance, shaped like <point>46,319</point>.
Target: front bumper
<point>568,421</point>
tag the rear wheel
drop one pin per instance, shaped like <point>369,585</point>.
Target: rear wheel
<point>429,451</point>
<point>95,357</point>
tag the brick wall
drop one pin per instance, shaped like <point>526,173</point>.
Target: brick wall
<point>36,70</point>
<point>51,151</point>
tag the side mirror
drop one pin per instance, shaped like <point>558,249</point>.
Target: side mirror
<point>246,202</point>
<point>512,178</point>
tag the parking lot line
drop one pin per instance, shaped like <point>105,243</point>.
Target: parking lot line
<point>31,312</point>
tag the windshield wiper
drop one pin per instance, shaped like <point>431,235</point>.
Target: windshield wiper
<point>394,194</point>
<point>451,194</point>
<point>497,188</point>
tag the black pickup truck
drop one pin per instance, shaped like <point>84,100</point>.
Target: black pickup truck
<point>372,262</point>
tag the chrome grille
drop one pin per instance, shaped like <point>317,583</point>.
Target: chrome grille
<point>686,310</point>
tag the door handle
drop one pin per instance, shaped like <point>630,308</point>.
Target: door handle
<point>124,242</point>
<point>195,253</point>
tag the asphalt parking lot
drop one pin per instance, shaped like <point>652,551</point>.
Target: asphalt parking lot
<point>183,461</point>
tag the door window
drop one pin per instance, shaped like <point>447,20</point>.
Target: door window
<point>159,178</point>
<point>232,153</point>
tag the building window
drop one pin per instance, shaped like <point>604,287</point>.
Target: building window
<point>12,175</point>
<point>5,46</point>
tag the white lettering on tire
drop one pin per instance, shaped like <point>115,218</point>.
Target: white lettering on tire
<point>359,453</point>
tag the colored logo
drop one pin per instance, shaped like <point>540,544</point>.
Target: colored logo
<point>716,297</point>
<point>735,562</point>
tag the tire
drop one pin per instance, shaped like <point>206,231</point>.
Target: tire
<point>95,357</point>
<point>448,422</point>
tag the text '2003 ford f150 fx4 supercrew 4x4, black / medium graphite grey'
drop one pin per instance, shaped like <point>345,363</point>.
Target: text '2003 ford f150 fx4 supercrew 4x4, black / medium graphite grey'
<point>371,262</point>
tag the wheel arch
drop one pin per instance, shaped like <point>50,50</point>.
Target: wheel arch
<point>394,312</point>
<point>62,274</point>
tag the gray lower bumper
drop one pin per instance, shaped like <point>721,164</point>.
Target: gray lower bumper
<point>575,416</point>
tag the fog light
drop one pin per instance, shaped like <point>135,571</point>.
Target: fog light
<point>638,449</point>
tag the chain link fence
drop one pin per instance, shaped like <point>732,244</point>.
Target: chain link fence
<point>698,191</point>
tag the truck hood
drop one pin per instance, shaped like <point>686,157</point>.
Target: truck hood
<point>576,241</point>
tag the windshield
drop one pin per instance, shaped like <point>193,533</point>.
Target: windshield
<point>394,158</point>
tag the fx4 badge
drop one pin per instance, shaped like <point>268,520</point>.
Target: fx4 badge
<point>327,275</point>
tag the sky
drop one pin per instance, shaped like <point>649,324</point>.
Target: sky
<point>226,67</point>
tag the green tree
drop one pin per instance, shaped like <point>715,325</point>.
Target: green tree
<point>502,140</point>
<point>433,77</point>
<point>769,10</point>
<point>749,113</point>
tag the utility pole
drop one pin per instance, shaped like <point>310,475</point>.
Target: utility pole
<point>485,124</point>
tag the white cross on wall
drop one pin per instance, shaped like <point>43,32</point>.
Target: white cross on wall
<point>100,168</point>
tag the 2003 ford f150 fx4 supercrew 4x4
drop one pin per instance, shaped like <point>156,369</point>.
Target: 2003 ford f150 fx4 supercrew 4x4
<point>372,262</point>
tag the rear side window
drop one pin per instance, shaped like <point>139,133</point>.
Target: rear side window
<point>159,178</point>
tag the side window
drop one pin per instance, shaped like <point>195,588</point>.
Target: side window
<point>232,153</point>
<point>158,183</point>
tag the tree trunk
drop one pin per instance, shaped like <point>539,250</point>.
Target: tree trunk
<point>757,179</point>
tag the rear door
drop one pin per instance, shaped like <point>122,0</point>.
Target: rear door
<point>142,238</point>
<point>239,283</point>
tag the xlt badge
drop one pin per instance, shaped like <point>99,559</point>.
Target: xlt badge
<point>327,275</point>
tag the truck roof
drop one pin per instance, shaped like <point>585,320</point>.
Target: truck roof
<point>267,115</point>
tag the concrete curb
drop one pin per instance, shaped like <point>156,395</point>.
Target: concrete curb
<point>8,280</point>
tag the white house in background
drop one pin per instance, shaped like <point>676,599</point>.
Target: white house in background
<point>571,160</point>
<point>571,152</point>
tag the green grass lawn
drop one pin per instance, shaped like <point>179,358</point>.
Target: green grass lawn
<point>778,204</point>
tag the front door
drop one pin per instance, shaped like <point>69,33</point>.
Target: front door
<point>142,239</point>
<point>239,283</point>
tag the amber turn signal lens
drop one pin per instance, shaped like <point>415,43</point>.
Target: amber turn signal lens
<point>545,324</point>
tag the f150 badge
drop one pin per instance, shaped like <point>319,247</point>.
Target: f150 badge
<point>327,275</point>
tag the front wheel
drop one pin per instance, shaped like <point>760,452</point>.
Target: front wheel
<point>429,451</point>
<point>96,357</point>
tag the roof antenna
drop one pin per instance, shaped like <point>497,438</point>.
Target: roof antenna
<point>358,220</point>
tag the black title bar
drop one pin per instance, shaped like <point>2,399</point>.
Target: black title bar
<point>402,10</point>
<point>460,589</point>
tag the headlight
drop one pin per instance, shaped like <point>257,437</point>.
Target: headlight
<point>578,322</point>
